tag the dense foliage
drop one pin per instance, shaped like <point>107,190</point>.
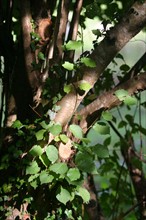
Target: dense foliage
<point>72,112</point>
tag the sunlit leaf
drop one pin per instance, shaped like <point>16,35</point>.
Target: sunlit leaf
<point>84,194</point>
<point>64,196</point>
<point>44,159</point>
<point>45,177</point>
<point>101,128</point>
<point>32,168</point>
<point>34,184</point>
<point>121,94</point>
<point>52,153</point>
<point>59,168</point>
<point>64,138</point>
<point>33,177</point>
<point>129,100</point>
<point>40,134</point>
<point>67,88</point>
<point>73,45</point>
<point>41,56</point>
<point>107,116</point>
<point>69,66</point>
<point>55,129</point>
<point>73,174</point>
<point>84,85</point>
<point>76,131</point>
<point>36,150</point>
<point>44,125</point>
<point>17,124</point>
<point>88,62</point>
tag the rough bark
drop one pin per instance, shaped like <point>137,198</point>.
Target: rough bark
<point>60,30</point>
<point>131,23</point>
<point>108,100</point>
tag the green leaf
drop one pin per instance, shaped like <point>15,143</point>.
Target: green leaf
<point>101,151</point>
<point>120,56</point>
<point>121,94</point>
<point>44,159</point>
<point>45,177</point>
<point>85,86</point>
<point>69,66</point>
<point>41,56</point>
<point>73,45</point>
<point>69,214</point>
<point>7,187</point>
<point>124,67</point>
<point>17,124</point>
<point>36,150</point>
<point>33,177</point>
<point>84,162</point>
<point>59,168</point>
<point>67,88</point>
<point>129,100</point>
<point>86,140</point>
<point>84,194</point>
<point>88,62</point>
<point>64,196</point>
<point>73,174</point>
<point>64,138</point>
<point>92,10</point>
<point>76,131</point>
<point>44,125</point>
<point>34,184</point>
<point>52,153</point>
<point>32,168</point>
<point>107,116</point>
<point>40,134</point>
<point>35,36</point>
<point>56,139</point>
<point>102,128</point>
<point>55,129</point>
<point>122,124</point>
<point>96,32</point>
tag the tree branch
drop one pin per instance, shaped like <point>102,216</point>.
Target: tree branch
<point>133,21</point>
<point>108,100</point>
<point>60,29</point>
<point>135,69</point>
<point>28,56</point>
<point>136,174</point>
<point>93,207</point>
<point>137,177</point>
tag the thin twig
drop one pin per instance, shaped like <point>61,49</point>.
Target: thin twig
<point>69,55</point>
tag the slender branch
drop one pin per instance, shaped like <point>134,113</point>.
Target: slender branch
<point>93,208</point>
<point>133,21</point>
<point>60,29</point>
<point>69,55</point>
<point>115,206</point>
<point>135,69</point>
<point>137,175</point>
<point>138,179</point>
<point>130,209</point>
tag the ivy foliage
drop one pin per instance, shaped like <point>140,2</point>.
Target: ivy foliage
<point>33,167</point>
